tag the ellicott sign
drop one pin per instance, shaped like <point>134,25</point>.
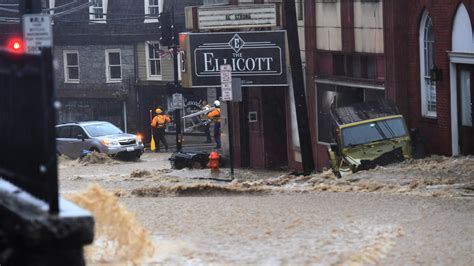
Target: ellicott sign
<point>258,58</point>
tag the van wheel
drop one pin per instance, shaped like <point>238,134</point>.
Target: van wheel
<point>93,149</point>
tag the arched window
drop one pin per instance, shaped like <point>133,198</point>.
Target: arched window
<point>428,86</point>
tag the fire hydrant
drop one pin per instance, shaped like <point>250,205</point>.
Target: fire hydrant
<point>213,163</point>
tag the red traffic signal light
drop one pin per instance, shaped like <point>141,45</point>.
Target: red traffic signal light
<point>16,45</point>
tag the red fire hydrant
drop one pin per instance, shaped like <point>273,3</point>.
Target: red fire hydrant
<point>213,163</point>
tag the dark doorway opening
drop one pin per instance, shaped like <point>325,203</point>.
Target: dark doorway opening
<point>465,80</point>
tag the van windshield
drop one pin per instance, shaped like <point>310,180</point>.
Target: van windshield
<point>374,131</point>
<point>103,129</point>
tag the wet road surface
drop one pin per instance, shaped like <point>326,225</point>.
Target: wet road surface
<point>309,228</point>
<point>270,218</point>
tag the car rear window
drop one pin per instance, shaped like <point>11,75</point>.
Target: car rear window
<point>103,129</point>
<point>375,131</point>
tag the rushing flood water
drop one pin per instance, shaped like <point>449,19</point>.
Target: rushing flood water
<point>309,228</point>
<point>119,237</point>
<point>188,217</point>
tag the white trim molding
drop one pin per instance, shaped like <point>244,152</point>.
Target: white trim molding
<point>107,66</point>
<point>454,59</point>
<point>149,76</point>
<point>66,66</point>
<point>425,79</point>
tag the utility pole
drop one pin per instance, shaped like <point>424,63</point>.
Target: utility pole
<point>298,87</point>
<point>177,111</point>
<point>169,38</point>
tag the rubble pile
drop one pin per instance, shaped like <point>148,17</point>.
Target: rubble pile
<point>96,158</point>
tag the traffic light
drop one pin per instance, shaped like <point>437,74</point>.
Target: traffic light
<point>166,29</point>
<point>16,45</point>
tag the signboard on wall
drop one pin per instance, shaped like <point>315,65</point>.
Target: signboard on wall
<point>257,58</point>
<point>240,16</point>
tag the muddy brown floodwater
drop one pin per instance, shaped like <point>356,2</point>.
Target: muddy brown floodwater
<point>416,212</point>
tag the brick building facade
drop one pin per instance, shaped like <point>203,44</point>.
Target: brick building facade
<point>363,50</point>
<point>405,82</point>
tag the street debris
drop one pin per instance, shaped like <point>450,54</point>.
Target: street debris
<point>436,176</point>
<point>139,173</point>
<point>96,158</point>
<point>180,160</point>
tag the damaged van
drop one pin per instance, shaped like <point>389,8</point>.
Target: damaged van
<point>366,135</point>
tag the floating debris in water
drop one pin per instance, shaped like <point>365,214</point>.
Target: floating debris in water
<point>96,158</point>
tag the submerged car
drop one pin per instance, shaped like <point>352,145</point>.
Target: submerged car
<point>367,135</point>
<point>72,139</point>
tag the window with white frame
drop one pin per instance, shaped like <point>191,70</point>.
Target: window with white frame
<point>71,66</point>
<point>152,9</point>
<point>114,65</point>
<point>153,59</point>
<point>98,11</point>
<point>427,62</point>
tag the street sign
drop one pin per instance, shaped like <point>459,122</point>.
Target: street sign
<point>226,73</point>
<point>37,32</point>
<point>227,91</point>
<point>178,102</point>
<point>226,82</point>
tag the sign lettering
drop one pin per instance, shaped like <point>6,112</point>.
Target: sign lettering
<point>258,58</point>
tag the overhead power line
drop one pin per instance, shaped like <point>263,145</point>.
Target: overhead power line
<point>9,10</point>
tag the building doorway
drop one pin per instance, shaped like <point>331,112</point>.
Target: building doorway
<point>465,85</point>
<point>266,123</point>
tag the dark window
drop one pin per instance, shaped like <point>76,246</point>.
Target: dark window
<point>338,64</point>
<point>63,132</point>
<point>72,66</point>
<point>76,131</point>
<point>354,65</point>
<point>114,66</point>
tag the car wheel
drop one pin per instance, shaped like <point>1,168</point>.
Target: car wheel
<point>93,149</point>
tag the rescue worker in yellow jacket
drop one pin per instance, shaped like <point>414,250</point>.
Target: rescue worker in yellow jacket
<point>215,116</point>
<point>159,125</point>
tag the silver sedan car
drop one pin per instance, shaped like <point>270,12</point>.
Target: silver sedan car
<point>73,139</point>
